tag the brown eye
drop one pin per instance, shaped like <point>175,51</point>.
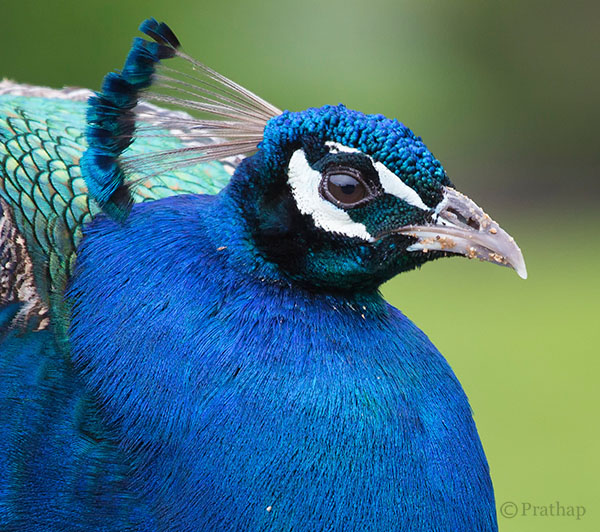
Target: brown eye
<point>345,188</point>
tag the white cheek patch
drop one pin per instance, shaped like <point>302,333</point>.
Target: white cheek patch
<point>390,182</point>
<point>304,182</point>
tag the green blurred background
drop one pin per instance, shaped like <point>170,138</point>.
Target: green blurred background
<point>506,94</point>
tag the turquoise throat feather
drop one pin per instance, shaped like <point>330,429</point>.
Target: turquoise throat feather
<point>191,333</point>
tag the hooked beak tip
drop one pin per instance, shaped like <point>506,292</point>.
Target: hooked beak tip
<point>519,266</point>
<point>462,227</point>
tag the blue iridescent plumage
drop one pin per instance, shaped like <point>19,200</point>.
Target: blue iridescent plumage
<point>189,360</point>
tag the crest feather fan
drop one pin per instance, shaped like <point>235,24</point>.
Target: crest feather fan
<point>224,120</point>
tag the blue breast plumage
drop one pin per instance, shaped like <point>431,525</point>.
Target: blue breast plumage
<point>191,333</point>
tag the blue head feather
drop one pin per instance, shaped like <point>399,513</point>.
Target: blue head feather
<point>386,140</point>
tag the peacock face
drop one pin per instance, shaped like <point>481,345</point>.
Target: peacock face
<point>347,200</point>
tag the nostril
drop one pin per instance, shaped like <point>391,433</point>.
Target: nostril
<point>471,222</point>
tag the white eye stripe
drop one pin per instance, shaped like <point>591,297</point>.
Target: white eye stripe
<point>390,182</point>
<point>393,185</point>
<point>304,182</point>
<point>337,147</point>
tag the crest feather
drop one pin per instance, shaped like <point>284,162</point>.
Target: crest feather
<point>225,120</point>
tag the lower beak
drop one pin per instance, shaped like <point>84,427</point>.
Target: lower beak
<point>460,226</point>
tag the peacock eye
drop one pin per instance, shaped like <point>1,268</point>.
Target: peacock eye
<point>345,186</point>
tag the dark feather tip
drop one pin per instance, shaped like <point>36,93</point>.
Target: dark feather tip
<point>160,32</point>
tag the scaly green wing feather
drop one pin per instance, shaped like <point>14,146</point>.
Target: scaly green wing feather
<point>44,198</point>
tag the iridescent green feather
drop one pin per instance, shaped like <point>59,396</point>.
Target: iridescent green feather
<point>41,142</point>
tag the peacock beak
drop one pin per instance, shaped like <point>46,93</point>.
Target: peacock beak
<point>460,226</point>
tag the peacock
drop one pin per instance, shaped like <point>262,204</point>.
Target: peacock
<point>192,336</point>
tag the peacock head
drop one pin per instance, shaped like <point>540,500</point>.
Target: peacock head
<point>330,197</point>
<point>336,198</point>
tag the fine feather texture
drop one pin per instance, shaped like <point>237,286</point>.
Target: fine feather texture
<point>210,357</point>
<point>61,468</point>
<point>267,398</point>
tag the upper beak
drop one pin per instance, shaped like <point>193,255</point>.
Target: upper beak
<point>460,226</point>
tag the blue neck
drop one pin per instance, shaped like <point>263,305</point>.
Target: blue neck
<point>232,392</point>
